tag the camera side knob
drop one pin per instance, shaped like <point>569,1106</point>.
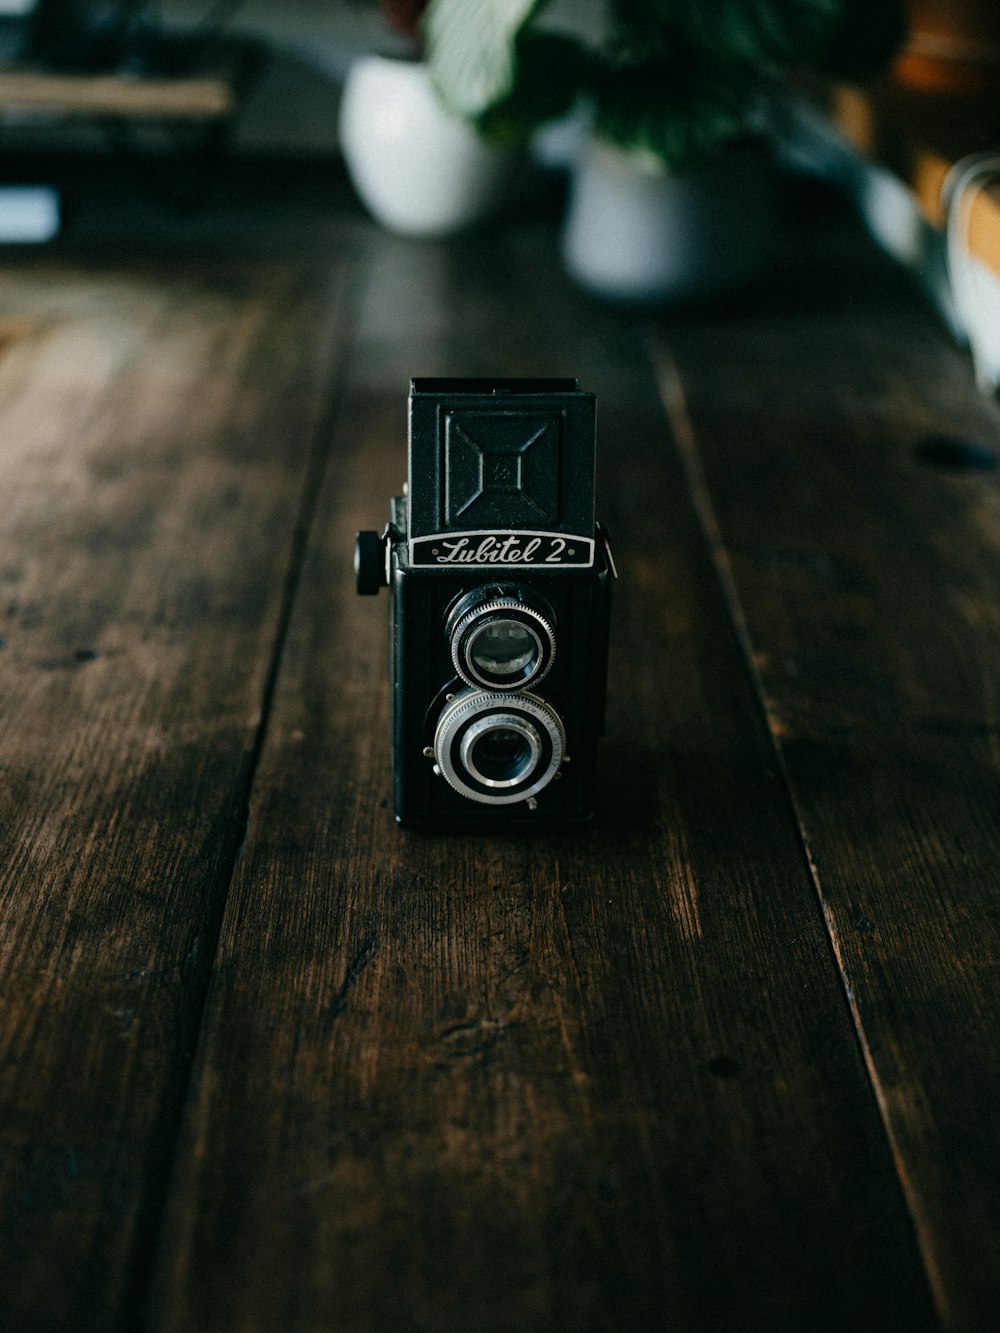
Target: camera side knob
<point>369,563</point>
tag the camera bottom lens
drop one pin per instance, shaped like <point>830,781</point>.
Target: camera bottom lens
<point>498,748</point>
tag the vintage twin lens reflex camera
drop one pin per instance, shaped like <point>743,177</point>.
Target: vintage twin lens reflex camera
<point>501,584</point>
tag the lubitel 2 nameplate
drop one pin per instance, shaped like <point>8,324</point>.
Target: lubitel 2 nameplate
<point>523,550</point>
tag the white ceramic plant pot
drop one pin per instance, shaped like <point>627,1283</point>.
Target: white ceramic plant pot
<point>637,232</point>
<point>418,170</point>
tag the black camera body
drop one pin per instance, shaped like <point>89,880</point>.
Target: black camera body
<point>501,589</point>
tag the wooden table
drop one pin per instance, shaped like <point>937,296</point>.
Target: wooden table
<point>728,1059</point>
<point>195,98</point>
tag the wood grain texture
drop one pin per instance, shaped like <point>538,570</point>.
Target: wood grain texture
<point>596,1080</point>
<point>191,98</point>
<point>852,486</point>
<point>157,424</point>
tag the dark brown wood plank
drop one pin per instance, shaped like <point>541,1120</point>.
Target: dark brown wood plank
<point>207,97</point>
<point>849,472</point>
<point>596,1080</point>
<point>157,425</point>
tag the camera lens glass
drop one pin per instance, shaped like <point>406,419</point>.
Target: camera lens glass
<point>501,642</point>
<point>503,650</point>
<point>498,748</point>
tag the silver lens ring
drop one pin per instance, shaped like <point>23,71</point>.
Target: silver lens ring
<point>498,748</point>
<point>502,644</point>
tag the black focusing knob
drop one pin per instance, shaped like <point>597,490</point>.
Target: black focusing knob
<point>369,563</point>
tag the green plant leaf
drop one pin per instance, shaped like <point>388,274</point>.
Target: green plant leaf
<point>677,113</point>
<point>470,47</point>
<point>552,69</point>
<point>864,39</point>
<point>671,78</point>
<point>753,32</point>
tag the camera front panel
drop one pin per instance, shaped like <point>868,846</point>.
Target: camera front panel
<point>497,692</point>
<point>501,581</point>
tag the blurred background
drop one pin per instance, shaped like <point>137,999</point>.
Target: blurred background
<point>652,125</point>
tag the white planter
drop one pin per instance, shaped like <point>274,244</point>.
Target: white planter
<point>418,170</point>
<point>638,232</point>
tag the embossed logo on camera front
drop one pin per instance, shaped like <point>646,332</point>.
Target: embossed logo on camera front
<point>515,549</point>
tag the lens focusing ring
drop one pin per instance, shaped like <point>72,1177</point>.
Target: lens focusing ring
<point>476,719</point>
<point>499,611</point>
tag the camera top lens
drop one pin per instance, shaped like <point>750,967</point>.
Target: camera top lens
<point>503,649</point>
<point>502,643</point>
